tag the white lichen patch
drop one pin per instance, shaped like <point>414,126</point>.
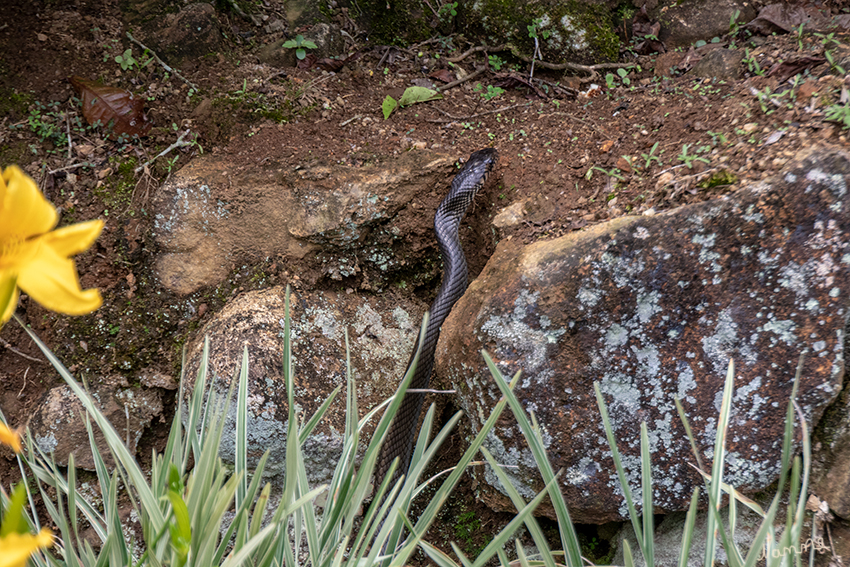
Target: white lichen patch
<point>524,331</point>
<point>577,34</point>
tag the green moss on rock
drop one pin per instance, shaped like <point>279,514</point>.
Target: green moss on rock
<point>397,22</point>
<point>567,31</point>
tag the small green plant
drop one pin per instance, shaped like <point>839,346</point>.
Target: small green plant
<point>611,78</point>
<point>651,157</point>
<point>534,31</point>
<point>496,62</point>
<point>752,63</point>
<point>301,45</point>
<point>835,67</point>
<point>718,138</point>
<point>689,159</point>
<point>126,59</point>
<point>491,93</point>
<point>799,34</point>
<point>839,113</point>
<point>613,172</point>
<point>734,24</point>
<point>447,11</point>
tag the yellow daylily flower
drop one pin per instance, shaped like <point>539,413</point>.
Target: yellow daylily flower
<point>15,549</point>
<point>35,258</point>
<point>10,437</point>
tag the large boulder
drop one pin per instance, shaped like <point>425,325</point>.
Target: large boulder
<point>653,308</point>
<point>216,213</point>
<point>381,332</point>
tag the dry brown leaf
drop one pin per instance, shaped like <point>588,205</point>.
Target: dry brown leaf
<point>112,106</point>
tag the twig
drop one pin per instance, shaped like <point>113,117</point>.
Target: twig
<point>384,58</point>
<point>456,118</point>
<point>436,15</point>
<point>178,144</point>
<point>161,62</point>
<point>535,55</point>
<point>27,371</point>
<point>461,81</point>
<point>589,69</point>
<point>476,49</point>
<point>68,130</point>
<point>352,119</point>
<point>19,353</point>
<point>428,391</point>
<point>70,167</point>
<point>566,90</point>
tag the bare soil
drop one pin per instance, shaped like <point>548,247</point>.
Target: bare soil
<point>570,159</point>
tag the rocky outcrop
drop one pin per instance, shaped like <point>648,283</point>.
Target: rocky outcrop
<point>59,427</point>
<point>654,308</point>
<point>381,334</point>
<point>215,213</point>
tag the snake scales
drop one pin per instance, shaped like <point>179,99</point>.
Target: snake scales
<point>467,182</point>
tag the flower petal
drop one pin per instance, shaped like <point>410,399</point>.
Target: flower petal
<point>10,437</point>
<point>16,548</point>
<point>73,239</point>
<point>51,280</point>
<point>8,295</point>
<point>24,211</point>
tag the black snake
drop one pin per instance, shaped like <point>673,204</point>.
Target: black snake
<point>467,182</point>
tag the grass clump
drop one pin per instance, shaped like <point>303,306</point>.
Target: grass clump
<point>193,510</point>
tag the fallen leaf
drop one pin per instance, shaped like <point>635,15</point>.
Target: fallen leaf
<point>790,67</point>
<point>443,75</point>
<point>606,145</point>
<point>413,95</point>
<point>112,107</point>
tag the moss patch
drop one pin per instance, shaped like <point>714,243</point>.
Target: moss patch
<point>569,31</point>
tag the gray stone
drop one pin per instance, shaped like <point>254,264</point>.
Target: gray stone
<point>722,64</point>
<point>58,425</point>
<point>654,308</point>
<point>381,334</point>
<point>685,23</point>
<point>215,214</point>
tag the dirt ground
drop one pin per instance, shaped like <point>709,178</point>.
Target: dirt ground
<point>570,159</point>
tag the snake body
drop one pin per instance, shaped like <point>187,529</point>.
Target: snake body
<point>450,213</point>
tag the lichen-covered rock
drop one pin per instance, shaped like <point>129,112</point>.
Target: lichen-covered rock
<point>215,213</point>
<point>653,309</point>
<point>580,32</point>
<point>381,334</point>
<point>830,480</point>
<point>59,428</point>
<point>684,23</point>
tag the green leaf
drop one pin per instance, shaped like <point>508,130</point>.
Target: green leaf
<point>309,44</point>
<point>389,106</point>
<point>412,95</point>
<point>300,53</point>
<point>181,530</point>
